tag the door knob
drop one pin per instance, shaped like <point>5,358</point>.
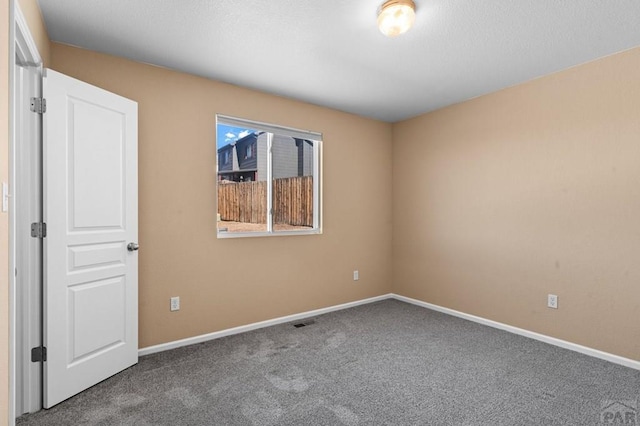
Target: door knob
<point>133,246</point>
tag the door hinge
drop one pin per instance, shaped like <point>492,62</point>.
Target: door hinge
<point>38,230</point>
<point>39,354</point>
<point>39,105</point>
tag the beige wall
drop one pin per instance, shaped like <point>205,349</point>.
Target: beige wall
<point>4,218</point>
<point>33,16</point>
<point>532,190</point>
<point>226,283</point>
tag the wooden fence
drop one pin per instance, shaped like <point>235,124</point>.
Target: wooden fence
<point>247,201</point>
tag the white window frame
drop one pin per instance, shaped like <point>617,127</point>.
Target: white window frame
<point>272,129</point>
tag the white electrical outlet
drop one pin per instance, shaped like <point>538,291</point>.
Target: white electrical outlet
<point>552,301</point>
<point>356,275</point>
<point>175,304</point>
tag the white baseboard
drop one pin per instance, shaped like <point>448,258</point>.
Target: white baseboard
<point>526,333</point>
<point>256,325</point>
<point>289,318</point>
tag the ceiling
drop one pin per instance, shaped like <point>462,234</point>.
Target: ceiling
<point>330,52</point>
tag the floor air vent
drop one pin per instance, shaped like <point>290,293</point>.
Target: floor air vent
<point>304,324</point>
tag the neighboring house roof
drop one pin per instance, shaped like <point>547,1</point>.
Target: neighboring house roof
<point>234,143</point>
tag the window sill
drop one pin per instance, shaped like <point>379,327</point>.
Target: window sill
<point>225,235</point>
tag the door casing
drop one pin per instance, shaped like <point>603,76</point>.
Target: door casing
<point>25,326</point>
<point>28,208</point>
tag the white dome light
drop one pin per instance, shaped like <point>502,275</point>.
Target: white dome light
<point>396,17</point>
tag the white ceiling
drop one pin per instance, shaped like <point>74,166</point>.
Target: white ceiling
<point>330,52</point>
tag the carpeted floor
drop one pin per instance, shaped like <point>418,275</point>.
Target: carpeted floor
<point>385,363</point>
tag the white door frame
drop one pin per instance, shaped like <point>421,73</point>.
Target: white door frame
<point>22,51</point>
<point>28,251</point>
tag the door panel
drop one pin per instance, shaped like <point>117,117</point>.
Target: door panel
<point>96,312</point>
<point>96,151</point>
<point>90,208</point>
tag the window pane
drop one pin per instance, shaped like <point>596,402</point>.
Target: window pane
<point>292,189</point>
<point>267,179</point>
<point>241,179</point>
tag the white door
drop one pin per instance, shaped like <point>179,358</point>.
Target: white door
<point>90,161</point>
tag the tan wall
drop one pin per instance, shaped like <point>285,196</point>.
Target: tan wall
<point>226,283</point>
<point>532,190</point>
<point>4,218</point>
<point>33,16</point>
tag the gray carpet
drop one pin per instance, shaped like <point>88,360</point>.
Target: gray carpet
<point>384,363</point>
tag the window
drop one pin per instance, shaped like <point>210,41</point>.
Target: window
<point>275,187</point>
<point>249,149</point>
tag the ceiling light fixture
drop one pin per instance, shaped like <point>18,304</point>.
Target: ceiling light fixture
<point>396,17</point>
